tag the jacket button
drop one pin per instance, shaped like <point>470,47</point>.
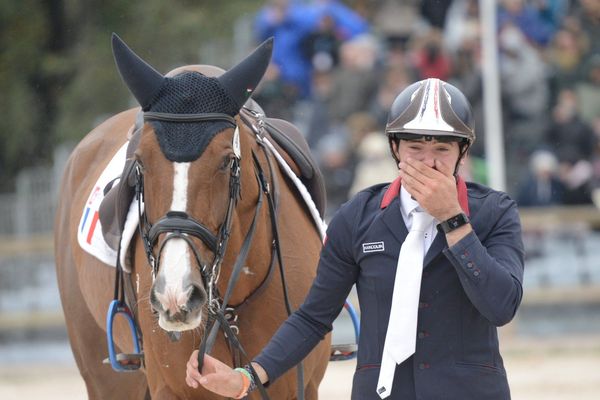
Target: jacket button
<point>423,366</point>
<point>469,265</point>
<point>476,272</point>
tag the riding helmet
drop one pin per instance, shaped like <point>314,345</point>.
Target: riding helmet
<point>431,108</point>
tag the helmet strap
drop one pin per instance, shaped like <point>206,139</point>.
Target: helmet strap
<point>464,147</point>
<point>397,141</point>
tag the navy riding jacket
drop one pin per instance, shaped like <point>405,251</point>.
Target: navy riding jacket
<point>467,291</point>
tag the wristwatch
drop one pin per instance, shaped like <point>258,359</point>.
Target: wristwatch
<point>454,222</point>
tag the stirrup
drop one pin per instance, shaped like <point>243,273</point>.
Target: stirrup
<point>340,352</point>
<point>126,361</point>
<point>122,362</point>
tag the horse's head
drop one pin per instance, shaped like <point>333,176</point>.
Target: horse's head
<point>189,158</point>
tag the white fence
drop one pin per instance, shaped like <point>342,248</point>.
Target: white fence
<point>30,209</point>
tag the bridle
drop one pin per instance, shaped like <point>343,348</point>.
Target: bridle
<point>180,225</point>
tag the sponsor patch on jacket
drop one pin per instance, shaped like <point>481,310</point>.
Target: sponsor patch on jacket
<point>373,247</point>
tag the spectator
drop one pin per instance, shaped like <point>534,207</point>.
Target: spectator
<point>577,178</point>
<point>523,75</point>
<point>355,81</point>
<point>588,91</point>
<point>569,137</point>
<point>397,21</point>
<point>275,96</point>
<point>462,24</point>
<point>429,57</point>
<point>525,95</point>
<point>318,116</point>
<point>527,18</point>
<point>322,45</point>
<point>588,16</point>
<point>337,165</point>
<point>396,77</point>
<point>552,11</point>
<point>372,163</point>
<point>467,75</point>
<point>574,143</point>
<point>290,22</point>
<point>348,23</point>
<point>435,11</point>
<point>358,126</point>
<point>565,56</point>
<point>542,186</point>
<point>596,164</point>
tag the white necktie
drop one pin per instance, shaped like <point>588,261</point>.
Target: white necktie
<point>401,337</point>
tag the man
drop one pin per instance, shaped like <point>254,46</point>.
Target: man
<point>469,279</point>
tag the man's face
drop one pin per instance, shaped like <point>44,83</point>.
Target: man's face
<point>428,151</point>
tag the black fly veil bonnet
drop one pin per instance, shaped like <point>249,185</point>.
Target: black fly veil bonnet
<point>188,93</point>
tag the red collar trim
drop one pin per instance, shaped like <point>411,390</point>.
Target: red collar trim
<point>394,190</point>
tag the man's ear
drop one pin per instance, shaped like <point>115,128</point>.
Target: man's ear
<point>395,144</point>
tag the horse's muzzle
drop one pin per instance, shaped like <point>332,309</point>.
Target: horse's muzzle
<point>178,311</point>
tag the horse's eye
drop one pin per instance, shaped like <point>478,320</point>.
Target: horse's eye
<point>225,163</point>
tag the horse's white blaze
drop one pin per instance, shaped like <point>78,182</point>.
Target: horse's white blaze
<point>175,262</point>
<point>180,186</point>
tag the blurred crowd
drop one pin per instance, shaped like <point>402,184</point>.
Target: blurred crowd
<point>337,67</point>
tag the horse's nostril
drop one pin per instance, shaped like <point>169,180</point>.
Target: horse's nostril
<point>197,298</point>
<point>154,303</point>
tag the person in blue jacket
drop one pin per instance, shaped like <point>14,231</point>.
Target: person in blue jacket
<point>291,22</point>
<point>471,279</point>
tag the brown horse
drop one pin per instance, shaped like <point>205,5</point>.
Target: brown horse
<point>187,155</point>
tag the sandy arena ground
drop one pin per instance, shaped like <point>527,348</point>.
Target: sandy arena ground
<point>549,370</point>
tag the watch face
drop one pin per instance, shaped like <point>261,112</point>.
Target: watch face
<point>455,222</point>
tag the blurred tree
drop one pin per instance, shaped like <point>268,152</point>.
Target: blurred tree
<point>31,42</point>
<point>57,75</point>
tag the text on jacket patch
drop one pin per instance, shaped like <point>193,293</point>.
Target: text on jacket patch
<point>373,247</point>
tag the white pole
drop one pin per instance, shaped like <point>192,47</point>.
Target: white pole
<point>492,109</point>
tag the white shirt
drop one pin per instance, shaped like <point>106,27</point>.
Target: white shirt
<point>407,206</point>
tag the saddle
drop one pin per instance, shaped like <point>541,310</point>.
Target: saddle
<point>289,140</point>
<point>118,196</point>
<point>286,137</point>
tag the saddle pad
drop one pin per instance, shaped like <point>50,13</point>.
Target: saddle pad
<point>89,232</point>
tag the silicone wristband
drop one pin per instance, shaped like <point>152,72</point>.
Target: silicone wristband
<point>247,381</point>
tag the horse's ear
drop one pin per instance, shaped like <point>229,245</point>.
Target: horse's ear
<point>142,80</point>
<point>241,80</point>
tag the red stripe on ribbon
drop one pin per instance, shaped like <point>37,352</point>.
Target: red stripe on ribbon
<point>92,227</point>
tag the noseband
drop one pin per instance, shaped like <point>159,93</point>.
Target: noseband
<point>180,225</point>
